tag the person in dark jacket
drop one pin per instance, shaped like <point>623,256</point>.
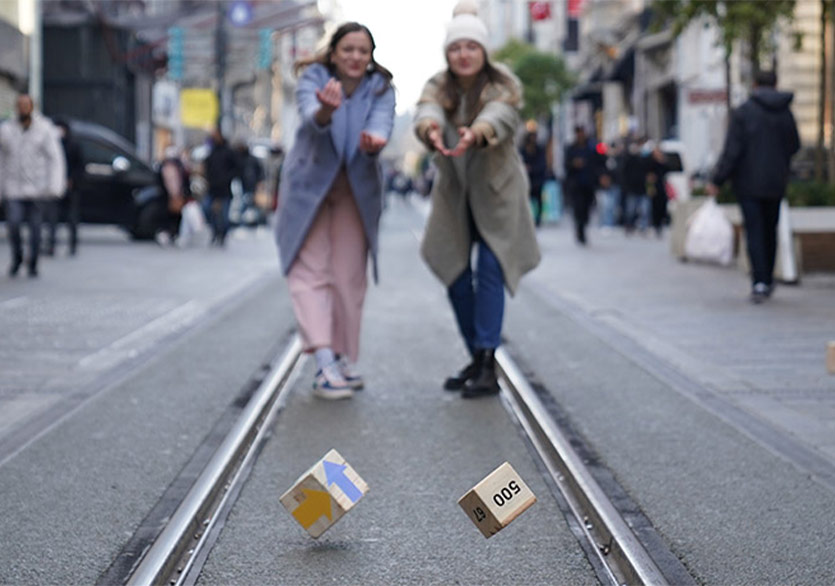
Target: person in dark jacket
<point>221,168</point>
<point>536,164</point>
<point>761,139</point>
<point>581,170</point>
<point>636,200</point>
<point>656,189</point>
<point>70,205</point>
<point>252,174</point>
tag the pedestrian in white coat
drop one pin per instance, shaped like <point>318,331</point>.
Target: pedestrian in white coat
<point>331,200</point>
<point>32,172</point>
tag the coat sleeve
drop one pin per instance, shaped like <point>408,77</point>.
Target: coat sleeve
<point>309,84</point>
<point>381,117</point>
<point>57,163</point>
<point>2,161</point>
<point>792,137</point>
<point>502,118</point>
<point>429,112</point>
<point>732,151</point>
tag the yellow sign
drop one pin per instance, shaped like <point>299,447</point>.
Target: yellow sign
<point>198,108</point>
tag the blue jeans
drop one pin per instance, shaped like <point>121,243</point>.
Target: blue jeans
<point>637,211</point>
<point>478,301</point>
<point>216,210</point>
<point>608,199</point>
<point>18,210</point>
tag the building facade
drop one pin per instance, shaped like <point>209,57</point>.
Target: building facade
<point>16,22</point>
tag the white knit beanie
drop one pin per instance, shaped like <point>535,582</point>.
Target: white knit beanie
<point>466,24</point>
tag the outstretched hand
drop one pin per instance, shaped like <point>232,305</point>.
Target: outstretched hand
<point>434,137</point>
<point>371,143</point>
<point>330,96</point>
<point>466,140</point>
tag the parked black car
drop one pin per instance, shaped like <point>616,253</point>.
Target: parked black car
<point>116,186</point>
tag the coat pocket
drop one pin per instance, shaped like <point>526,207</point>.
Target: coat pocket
<point>501,175</point>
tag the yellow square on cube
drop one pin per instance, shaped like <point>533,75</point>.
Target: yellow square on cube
<point>497,500</point>
<point>324,493</point>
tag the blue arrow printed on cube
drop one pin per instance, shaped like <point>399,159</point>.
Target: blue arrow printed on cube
<point>335,474</point>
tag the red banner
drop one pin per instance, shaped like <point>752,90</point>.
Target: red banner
<point>574,8</point>
<point>540,10</point>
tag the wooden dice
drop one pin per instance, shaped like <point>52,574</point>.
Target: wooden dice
<point>497,500</point>
<point>320,497</point>
<point>830,357</point>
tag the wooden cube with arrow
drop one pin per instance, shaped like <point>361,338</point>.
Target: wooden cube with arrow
<point>320,496</point>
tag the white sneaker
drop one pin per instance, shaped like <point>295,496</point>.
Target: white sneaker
<point>330,384</point>
<point>350,374</point>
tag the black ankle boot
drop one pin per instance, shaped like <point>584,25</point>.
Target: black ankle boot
<point>484,383</point>
<point>456,382</point>
<point>15,266</point>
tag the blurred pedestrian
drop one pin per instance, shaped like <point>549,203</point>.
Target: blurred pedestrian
<point>221,167</point>
<point>331,200</point>
<point>251,174</point>
<point>608,187</point>
<point>69,206</point>
<point>581,174</point>
<point>468,115</point>
<point>762,138</point>
<point>32,171</point>
<point>636,202</point>
<point>173,179</point>
<point>536,165</point>
<point>656,188</point>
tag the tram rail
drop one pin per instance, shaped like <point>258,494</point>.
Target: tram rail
<point>177,555</point>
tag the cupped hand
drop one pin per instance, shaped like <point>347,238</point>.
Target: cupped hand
<point>466,140</point>
<point>330,96</point>
<point>436,141</point>
<point>371,143</point>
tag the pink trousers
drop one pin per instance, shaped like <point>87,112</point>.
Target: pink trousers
<point>328,279</point>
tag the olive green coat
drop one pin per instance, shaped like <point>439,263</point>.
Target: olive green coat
<point>490,178</point>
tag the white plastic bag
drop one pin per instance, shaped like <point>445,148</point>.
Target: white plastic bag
<point>193,228</point>
<point>710,236</point>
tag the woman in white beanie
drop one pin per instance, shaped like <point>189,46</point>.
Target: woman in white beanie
<point>468,114</point>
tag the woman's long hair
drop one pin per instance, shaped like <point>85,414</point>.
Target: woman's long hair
<point>451,97</point>
<point>324,57</point>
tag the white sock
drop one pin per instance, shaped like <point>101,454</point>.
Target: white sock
<point>324,356</point>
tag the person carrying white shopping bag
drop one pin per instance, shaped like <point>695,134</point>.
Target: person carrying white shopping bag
<point>762,138</point>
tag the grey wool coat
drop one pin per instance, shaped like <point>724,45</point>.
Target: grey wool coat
<point>491,179</point>
<point>319,152</point>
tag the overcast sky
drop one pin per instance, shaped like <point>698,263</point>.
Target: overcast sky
<point>409,37</point>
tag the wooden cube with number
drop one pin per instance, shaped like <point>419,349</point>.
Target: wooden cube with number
<point>323,494</point>
<point>497,500</point>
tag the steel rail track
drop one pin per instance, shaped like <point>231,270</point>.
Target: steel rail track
<point>169,560</point>
<point>622,555</point>
<point>172,557</point>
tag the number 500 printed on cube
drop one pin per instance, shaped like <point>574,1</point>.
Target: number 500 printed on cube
<point>497,500</point>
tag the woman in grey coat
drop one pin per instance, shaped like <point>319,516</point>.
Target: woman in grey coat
<point>468,115</point>
<point>331,200</point>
